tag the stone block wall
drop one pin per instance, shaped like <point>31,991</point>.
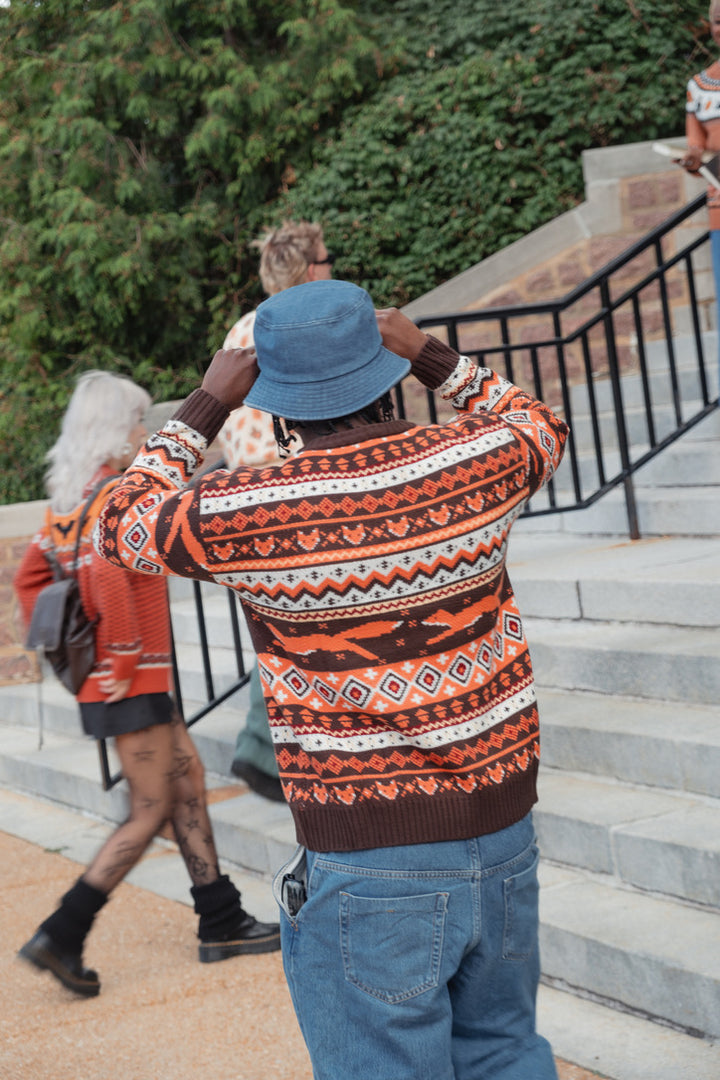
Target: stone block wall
<point>17,525</point>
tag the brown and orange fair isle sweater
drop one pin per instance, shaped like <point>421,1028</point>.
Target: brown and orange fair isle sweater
<point>371,568</point>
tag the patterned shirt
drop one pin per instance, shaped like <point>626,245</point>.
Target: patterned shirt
<point>247,437</point>
<point>371,568</point>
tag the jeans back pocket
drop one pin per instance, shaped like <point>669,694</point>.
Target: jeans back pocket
<point>392,946</point>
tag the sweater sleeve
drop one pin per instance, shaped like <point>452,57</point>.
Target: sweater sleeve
<point>150,521</point>
<point>32,575</point>
<point>114,602</point>
<point>694,132</point>
<point>473,389</point>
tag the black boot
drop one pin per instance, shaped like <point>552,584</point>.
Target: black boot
<point>57,944</point>
<point>225,929</point>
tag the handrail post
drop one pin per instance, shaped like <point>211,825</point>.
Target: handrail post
<point>204,649</point>
<point>623,445</point>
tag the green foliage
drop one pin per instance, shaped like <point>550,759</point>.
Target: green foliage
<point>143,143</point>
<point>478,140</point>
<point>136,139</point>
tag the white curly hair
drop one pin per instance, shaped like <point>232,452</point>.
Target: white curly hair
<point>102,411</point>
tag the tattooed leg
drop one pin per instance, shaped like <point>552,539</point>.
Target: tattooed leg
<point>190,818</point>
<point>146,758</point>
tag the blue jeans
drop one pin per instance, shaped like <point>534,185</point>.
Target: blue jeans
<point>415,962</point>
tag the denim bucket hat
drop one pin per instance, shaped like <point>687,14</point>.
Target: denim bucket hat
<point>320,353</point>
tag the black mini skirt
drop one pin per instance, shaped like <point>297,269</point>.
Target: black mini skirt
<point>131,714</point>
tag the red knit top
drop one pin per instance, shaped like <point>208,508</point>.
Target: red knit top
<point>133,632</point>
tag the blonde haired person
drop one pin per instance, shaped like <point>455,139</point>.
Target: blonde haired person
<point>291,255</point>
<point>126,695</point>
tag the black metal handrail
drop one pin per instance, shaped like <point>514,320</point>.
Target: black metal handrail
<point>609,442</point>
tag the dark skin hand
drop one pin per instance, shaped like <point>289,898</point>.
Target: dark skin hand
<point>230,376</point>
<point>400,334</point>
<point>233,371</point>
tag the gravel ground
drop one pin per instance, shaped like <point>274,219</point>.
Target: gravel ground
<point>161,1015</point>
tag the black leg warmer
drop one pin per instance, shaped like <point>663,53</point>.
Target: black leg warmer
<point>69,925</point>
<point>218,905</point>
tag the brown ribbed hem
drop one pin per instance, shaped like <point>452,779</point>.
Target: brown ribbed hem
<point>203,413</point>
<point>434,363</point>
<point>415,820</point>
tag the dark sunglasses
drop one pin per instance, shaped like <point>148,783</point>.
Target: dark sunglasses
<point>329,261</point>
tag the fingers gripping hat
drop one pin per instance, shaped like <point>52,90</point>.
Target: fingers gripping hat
<point>320,353</point>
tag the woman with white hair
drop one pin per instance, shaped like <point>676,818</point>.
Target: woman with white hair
<point>126,695</point>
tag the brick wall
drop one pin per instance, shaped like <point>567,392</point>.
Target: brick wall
<point>645,202</point>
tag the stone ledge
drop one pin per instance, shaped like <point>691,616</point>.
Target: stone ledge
<point>20,520</point>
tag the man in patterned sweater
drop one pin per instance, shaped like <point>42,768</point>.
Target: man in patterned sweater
<point>371,567</point>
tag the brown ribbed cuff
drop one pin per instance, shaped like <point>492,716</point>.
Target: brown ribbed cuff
<point>434,363</point>
<point>203,413</point>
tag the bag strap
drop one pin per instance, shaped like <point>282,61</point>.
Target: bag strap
<point>51,555</point>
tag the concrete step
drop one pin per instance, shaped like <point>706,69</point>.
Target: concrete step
<point>664,579</point>
<point>78,835</point>
<point>65,769</point>
<point>224,670</point>
<point>606,940</point>
<point>215,735</point>
<point>217,622</point>
<point>619,1045</point>
<point>687,366</point>
<point>670,580</point>
<point>685,510</point>
<point>654,956</point>
<point>42,707</point>
<point>668,663</point>
<point>696,458</point>
<point>685,350</point>
<point>648,838</point>
<point>637,426</point>
<point>653,840</point>
<point>660,389</point>
<point>689,511</point>
<point>646,742</point>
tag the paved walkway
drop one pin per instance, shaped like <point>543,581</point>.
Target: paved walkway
<point>161,1015</point>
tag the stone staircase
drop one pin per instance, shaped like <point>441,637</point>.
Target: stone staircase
<point>626,646</point>
<point>625,638</point>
